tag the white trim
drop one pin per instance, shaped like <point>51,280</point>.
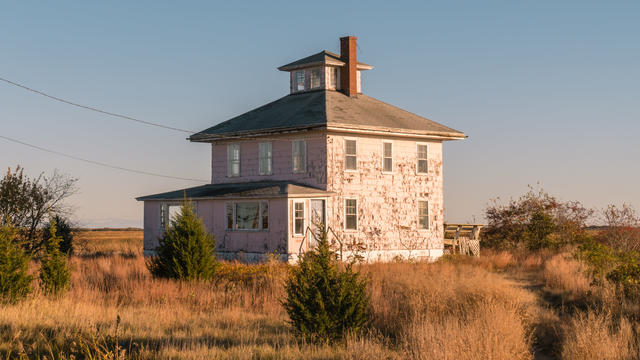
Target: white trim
<point>344,208</point>
<point>383,158</point>
<point>344,149</point>
<point>304,217</point>
<point>396,132</point>
<point>418,144</point>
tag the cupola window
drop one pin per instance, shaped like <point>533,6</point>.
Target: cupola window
<point>316,77</point>
<point>300,80</point>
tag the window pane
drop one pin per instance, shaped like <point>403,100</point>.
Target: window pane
<point>265,157</point>
<point>233,159</point>
<point>388,164</point>
<point>298,215</point>
<point>350,147</point>
<point>423,215</point>
<point>315,78</point>
<point>299,155</point>
<point>265,215</point>
<point>388,148</point>
<point>247,215</point>
<point>422,166</point>
<point>300,80</point>
<point>351,160</point>
<point>351,163</point>
<point>229,216</point>
<point>174,210</point>
<point>351,214</point>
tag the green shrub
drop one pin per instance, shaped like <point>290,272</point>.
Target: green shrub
<point>63,230</point>
<point>600,257</point>
<point>325,299</point>
<point>186,250</point>
<point>539,231</point>
<point>15,282</point>
<point>55,272</point>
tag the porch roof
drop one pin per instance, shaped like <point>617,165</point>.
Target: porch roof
<point>256,189</point>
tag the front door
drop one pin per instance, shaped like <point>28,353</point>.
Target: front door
<point>317,220</point>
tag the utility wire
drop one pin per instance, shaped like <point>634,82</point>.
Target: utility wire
<point>96,109</point>
<point>99,163</point>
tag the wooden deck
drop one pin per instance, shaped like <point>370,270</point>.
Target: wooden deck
<point>462,238</point>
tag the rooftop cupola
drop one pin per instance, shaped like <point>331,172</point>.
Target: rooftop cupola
<point>328,71</point>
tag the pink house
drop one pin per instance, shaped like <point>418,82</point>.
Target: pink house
<point>324,155</point>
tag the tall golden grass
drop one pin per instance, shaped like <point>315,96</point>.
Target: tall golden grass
<point>459,308</point>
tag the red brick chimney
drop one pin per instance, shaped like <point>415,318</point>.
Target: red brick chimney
<point>348,73</point>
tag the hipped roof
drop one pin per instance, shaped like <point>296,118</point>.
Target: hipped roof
<point>322,58</point>
<point>256,189</point>
<point>326,109</point>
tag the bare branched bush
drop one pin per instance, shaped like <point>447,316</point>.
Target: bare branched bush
<point>622,230</point>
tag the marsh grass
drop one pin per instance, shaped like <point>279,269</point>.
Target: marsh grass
<point>458,308</point>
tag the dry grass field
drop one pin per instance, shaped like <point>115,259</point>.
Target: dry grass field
<point>501,306</point>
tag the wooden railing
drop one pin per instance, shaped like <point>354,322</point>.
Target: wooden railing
<point>463,238</point>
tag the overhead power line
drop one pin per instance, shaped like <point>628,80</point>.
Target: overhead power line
<point>98,162</point>
<point>96,109</point>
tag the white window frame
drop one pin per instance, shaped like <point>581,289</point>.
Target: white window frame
<point>384,157</point>
<point>304,156</point>
<point>345,214</point>
<point>346,155</point>
<point>428,216</point>
<point>418,158</point>
<point>296,87</point>
<point>231,161</point>
<point>304,219</point>
<point>265,169</point>
<point>261,204</point>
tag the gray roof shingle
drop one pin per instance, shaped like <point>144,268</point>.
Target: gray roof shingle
<point>324,57</point>
<point>323,108</point>
<point>256,189</point>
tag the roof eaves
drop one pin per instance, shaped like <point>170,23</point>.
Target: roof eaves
<point>252,133</point>
<point>377,130</point>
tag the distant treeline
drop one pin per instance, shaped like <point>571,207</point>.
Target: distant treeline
<point>108,229</point>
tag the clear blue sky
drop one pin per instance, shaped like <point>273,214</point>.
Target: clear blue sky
<point>548,91</point>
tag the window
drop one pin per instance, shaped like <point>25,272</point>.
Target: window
<point>248,215</point>
<point>265,158</point>
<point>351,214</point>
<point>423,215</point>
<point>333,77</point>
<point>170,211</point>
<point>316,78</point>
<point>298,218</point>
<point>233,160</point>
<point>387,157</point>
<point>299,153</point>
<point>423,166</point>
<point>299,84</point>
<point>350,155</point>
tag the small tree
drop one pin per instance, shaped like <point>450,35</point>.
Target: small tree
<point>55,272</point>
<point>325,301</point>
<point>539,231</point>
<point>15,282</point>
<point>186,250</point>
<point>63,230</point>
<point>26,202</point>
